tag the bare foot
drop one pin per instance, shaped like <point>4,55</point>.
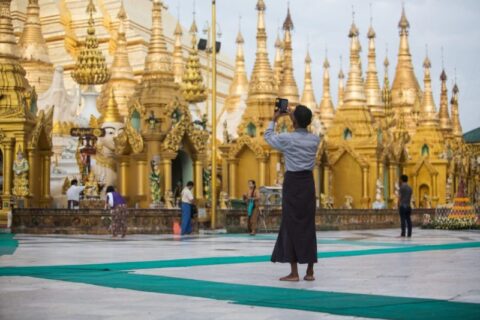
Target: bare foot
<point>290,277</point>
<point>309,277</point>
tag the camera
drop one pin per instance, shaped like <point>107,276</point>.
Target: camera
<point>282,105</point>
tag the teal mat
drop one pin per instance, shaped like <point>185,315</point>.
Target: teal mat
<point>347,304</point>
<point>8,244</point>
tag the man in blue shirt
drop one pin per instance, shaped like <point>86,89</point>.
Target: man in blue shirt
<point>296,241</point>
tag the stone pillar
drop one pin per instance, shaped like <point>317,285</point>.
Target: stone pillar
<point>32,175</point>
<point>365,198</point>
<point>198,181</point>
<point>393,180</point>
<point>46,177</point>
<point>435,191</point>
<point>122,176</point>
<point>275,157</point>
<point>326,181</point>
<point>232,173</point>
<point>142,176</point>
<point>167,174</point>
<point>263,173</point>
<point>7,167</point>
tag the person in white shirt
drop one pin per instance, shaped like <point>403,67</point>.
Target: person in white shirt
<point>187,208</point>
<point>73,194</point>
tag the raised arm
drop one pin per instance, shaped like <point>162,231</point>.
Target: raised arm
<point>277,141</point>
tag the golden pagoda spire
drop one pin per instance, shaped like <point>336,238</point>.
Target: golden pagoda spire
<point>178,54</point>
<point>354,91</point>
<point>341,88</point>
<point>428,112</point>
<point>325,108</point>
<point>122,77</point>
<point>111,113</point>
<point>288,87</point>
<point>456,125</point>
<point>308,95</point>
<point>90,67</point>
<point>34,52</point>
<point>406,92</point>
<point>445,122</point>
<point>193,88</point>
<point>386,93</point>
<point>239,84</point>
<point>372,86</point>
<point>158,63</point>
<point>14,85</point>
<point>278,62</point>
<point>262,82</point>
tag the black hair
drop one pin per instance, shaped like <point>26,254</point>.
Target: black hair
<point>404,178</point>
<point>190,184</point>
<point>303,116</point>
<point>74,182</point>
<point>110,189</point>
<point>253,181</point>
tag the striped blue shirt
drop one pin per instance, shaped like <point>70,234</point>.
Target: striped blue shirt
<point>299,147</point>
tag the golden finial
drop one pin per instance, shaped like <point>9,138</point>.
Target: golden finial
<point>90,67</point>
<point>261,5</point>
<point>111,113</point>
<point>193,88</point>
<point>403,24</point>
<point>278,62</point>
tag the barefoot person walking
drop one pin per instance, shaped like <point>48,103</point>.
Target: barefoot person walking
<point>297,241</point>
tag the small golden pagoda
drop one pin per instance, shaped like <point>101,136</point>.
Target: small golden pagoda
<point>159,131</point>
<point>351,141</point>
<point>249,157</point>
<point>341,86</point>
<point>122,79</point>
<point>34,52</point>
<point>425,164</point>
<point>25,135</point>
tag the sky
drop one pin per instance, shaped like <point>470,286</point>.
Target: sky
<point>324,26</point>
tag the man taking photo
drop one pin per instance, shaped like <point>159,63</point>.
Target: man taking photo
<point>296,241</point>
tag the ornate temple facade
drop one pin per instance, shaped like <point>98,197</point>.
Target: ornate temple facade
<point>153,100</point>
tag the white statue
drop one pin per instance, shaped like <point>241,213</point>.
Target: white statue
<point>223,200</point>
<point>103,163</point>
<point>348,202</point>
<point>379,203</point>
<point>397,195</point>
<point>65,102</point>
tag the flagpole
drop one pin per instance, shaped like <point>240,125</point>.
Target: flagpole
<point>214,118</point>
